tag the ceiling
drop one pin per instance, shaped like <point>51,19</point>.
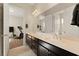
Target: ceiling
<point>58,7</point>
<point>42,8</point>
<point>38,7</point>
<point>23,4</point>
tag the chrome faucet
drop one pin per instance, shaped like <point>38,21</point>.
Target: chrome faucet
<point>56,36</point>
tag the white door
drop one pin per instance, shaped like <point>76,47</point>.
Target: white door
<point>6,29</point>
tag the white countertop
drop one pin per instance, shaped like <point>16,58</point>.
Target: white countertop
<point>67,43</point>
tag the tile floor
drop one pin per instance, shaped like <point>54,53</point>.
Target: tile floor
<point>21,51</point>
<point>13,43</point>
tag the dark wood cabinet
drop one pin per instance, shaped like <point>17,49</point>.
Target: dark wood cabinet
<point>28,40</point>
<point>34,45</point>
<point>55,50</point>
<point>42,48</point>
<point>51,54</point>
<point>32,42</point>
<point>42,51</point>
<point>47,46</point>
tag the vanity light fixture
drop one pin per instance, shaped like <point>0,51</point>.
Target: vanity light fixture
<point>26,25</point>
<point>62,20</point>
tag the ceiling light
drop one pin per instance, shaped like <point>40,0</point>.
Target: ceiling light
<point>35,13</point>
<point>62,20</point>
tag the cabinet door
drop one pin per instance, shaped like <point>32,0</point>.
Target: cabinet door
<point>55,50</point>
<point>34,45</point>
<point>51,54</point>
<point>28,40</point>
<point>42,51</point>
<point>51,48</point>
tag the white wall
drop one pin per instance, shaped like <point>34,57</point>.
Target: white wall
<point>31,20</point>
<point>15,21</point>
<point>23,16</point>
<point>17,18</point>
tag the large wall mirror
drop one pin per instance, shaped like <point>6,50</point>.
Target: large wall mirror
<point>47,24</point>
<point>59,22</point>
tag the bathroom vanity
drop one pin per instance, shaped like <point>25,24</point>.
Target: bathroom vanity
<point>47,45</point>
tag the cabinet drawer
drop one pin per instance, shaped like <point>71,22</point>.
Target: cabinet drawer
<point>34,46</point>
<point>42,51</point>
<point>49,47</point>
<point>56,50</point>
<point>28,40</point>
<point>51,54</point>
<point>45,52</point>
